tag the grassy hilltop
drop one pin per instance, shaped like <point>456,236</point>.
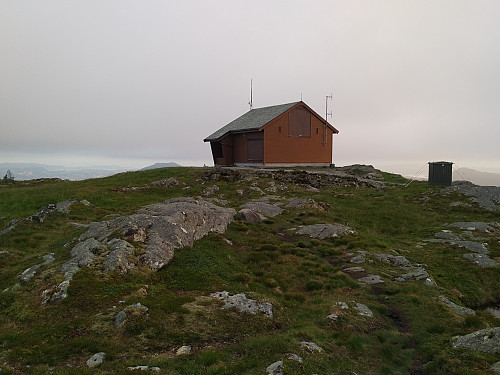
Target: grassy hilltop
<point>303,278</point>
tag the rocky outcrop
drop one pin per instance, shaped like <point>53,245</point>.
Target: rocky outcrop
<point>486,340</point>
<point>323,231</point>
<point>250,216</point>
<point>488,197</point>
<point>244,304</point>
<point>155,230</point>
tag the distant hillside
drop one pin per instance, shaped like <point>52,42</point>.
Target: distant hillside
<point>160,165</point>
<point>32,171</point>
<point>477,177</point>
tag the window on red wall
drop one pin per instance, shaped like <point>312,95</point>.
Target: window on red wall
<point>299,120</point>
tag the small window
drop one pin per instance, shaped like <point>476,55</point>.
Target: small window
<point>279,129</point>
<point>317,130</point>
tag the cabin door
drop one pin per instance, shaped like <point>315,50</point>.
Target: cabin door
<point>255,148</point>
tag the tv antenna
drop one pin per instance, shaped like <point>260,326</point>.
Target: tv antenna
<point>326,116</point>
<point>251,94</point>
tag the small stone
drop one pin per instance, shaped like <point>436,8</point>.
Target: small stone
<point>96,359</point>
<point>183,350</point>
<point>343,305</point>
<point>332,317</point>
<point>310,347</point>
<point>363,310</point>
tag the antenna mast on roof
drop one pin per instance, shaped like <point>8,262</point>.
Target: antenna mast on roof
<point>251,95</point>
<point>326,116</point>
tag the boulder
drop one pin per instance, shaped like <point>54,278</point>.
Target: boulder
<point>363,310</point>
<point>183,350</point>
<point>250,216</point>
<point>486,340</point>
<point>322,231</point>
<point>275,368</point>
<point>96,359</point>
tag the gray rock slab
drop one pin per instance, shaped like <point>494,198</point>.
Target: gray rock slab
<point>449,236</point>
<point>243,304</point>
<point>354,269</point>
<point>481,260</point>
<point>475,247</point>
<point>144,368</point>
<point>461,310</point>
<point>473,226</point>
<point>266,209</point>
<point>418,273</point>
<point>371,279</point>
<point>486,340</point>
<point>323,231</point>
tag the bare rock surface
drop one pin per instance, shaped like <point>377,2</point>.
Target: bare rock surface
<point>310,347</point>
<point>157,229</point>
<point>481,260</point>
<point>371,279</point>
<point>250,216</point>
<point>302,203</point>
<point>475,226</point>
<point>461,310</point>
<point>486,340</point>
<point>244,304</point>
<point>323,231</point>
<point>29,273</point>
<point>266,209</point>
<point>275,368</point>
<point>488,197</point>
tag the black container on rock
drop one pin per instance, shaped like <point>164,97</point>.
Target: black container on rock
<point>440,173</point>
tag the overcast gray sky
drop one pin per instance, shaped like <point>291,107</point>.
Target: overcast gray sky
<point>136,82</point>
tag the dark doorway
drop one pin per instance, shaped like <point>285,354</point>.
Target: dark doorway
<point>255,149</point>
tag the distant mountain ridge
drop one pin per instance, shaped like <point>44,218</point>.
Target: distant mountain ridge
<point>477,177</point>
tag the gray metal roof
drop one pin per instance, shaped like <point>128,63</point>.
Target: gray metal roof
<point>252,120</point>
